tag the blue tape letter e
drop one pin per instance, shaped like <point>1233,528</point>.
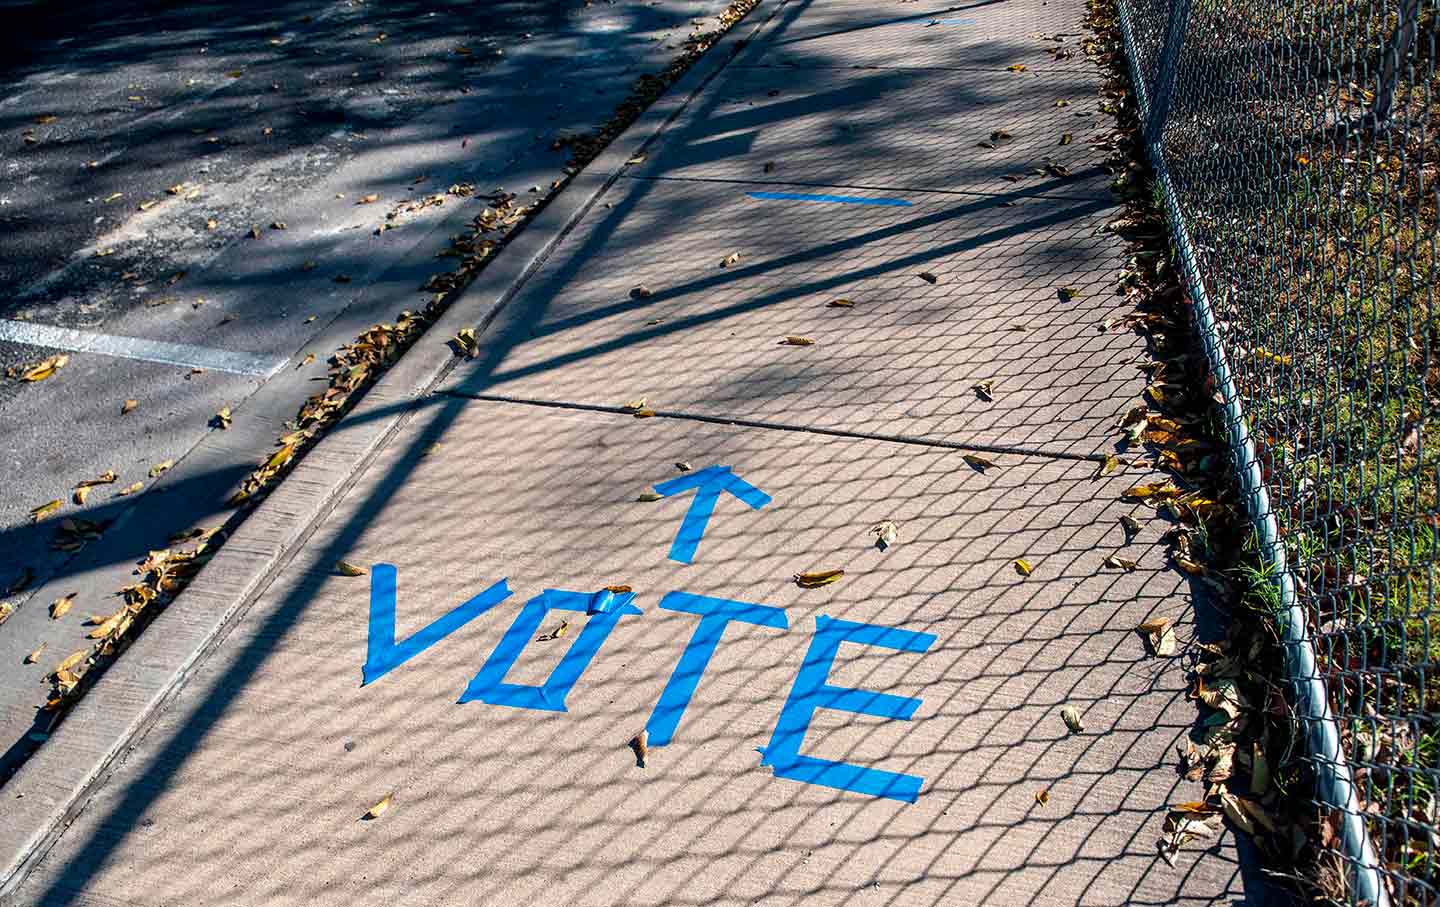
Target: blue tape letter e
<point>383,652</point>
<point>489,685</point>
<point>811,692</point>
<point>715,614</point>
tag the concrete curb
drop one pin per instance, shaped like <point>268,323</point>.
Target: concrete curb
<point>58,781</point>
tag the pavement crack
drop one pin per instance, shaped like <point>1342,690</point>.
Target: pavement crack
<point>823,431</point>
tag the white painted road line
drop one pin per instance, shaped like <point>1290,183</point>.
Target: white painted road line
<point>144,350</point>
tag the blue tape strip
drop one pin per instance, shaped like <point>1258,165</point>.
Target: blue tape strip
<point>382,651</point>
<point>489,684</point>
<point>708,484</point>
<point>810,692</point>
<point>715,614</point>
<point>841,199</point>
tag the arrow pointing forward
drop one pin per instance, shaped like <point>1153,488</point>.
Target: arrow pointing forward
<point>708,484</point>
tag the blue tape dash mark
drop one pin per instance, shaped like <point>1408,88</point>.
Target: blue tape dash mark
<point>840,199</point>
<point>708,483</point>
<point>810,692</point>
<point>489,684</point>
<point>382,651</point>
<point>715,615</point>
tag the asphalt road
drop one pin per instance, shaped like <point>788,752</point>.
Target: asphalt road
<point>140,143</point>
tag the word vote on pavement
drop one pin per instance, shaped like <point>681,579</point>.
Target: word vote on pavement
<point>809,692</point>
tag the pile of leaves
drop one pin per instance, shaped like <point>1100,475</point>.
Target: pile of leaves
<point>1245,748</point>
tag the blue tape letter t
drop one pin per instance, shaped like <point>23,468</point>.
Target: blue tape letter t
<point>489,685</point>
<point>715,614</point>
<point>708,483</point>
<point>811,692</point>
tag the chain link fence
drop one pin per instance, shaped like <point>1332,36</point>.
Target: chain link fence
<point>1296,145</point>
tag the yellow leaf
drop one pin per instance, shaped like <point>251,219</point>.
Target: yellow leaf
<point>1042,797</point>
<point>797,341</point>
<point>1152,490</point>
<point>35,656</point>
<point>223,418</point>
<point>633,406</point>
<point>1023,567</point>
<point>44,510</point>
<point>817,578</point>
<point>979,462</point>
<point>1120,563</point>
<point>1067,293</point>
<point>130,489</point>
<point>840,304</point>
<point>344,568</point>
<point>45,368</point>
<point>147,205</point>
<point>730,260</point>
<point>159,468</point>
<point>1072,719</point>
<point>73,659</point>
<point>367,199</point>
<point>984,390</point>
<point>643,413</point>
<point>1111,464</point>
<point>211,224</point>
<point>649,497</point>
<point>309,358</point>
<point>1016,67</point>
<point>1067,138</point>
<point>128,407</point>
<point>61,606</point>
<point>379,809</point>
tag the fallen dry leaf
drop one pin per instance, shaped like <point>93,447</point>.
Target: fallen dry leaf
<point>984,389</point>
<point>223,417</point>
<point>979,462</point>
<point>44,368</point>
<point>130,489</point>
<point>1042,797</point>
<point>159,468</point>
<point>840,304</point>
<point>1023,567</point>
<point>1132,528</point>
<point>35,656</point>
<point>1067,138</point>
<point>128,407</point>
<point>929,277</point>
<point>640,743</point>
<point>345,568</point>
<point>1067,293</point>
<point>797,341</point>
<point>1072,719</point>
<point>649,497</point>
<point>61,606</point>
<point>1159,633</point>
<point>1120,563</point>
<point>730,260</point>
<point>466,343</point>
<point>1111,464</point>
<point>1016,67</point>
<point>368,199</point>
<point>817,578</point>
<point>633,406</point>
<point>886,534</point>
<point>47,509</point>
<point>380,808</point>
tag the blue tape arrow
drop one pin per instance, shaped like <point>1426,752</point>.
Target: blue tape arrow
<point>708,484</point>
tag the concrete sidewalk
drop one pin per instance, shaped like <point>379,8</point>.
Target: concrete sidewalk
<point>838,158</point>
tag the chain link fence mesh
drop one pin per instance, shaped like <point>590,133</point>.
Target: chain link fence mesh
<point>1297,149</point>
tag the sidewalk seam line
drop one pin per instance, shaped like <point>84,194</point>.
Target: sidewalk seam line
<point>969,193</point>
<point>778,426</point>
